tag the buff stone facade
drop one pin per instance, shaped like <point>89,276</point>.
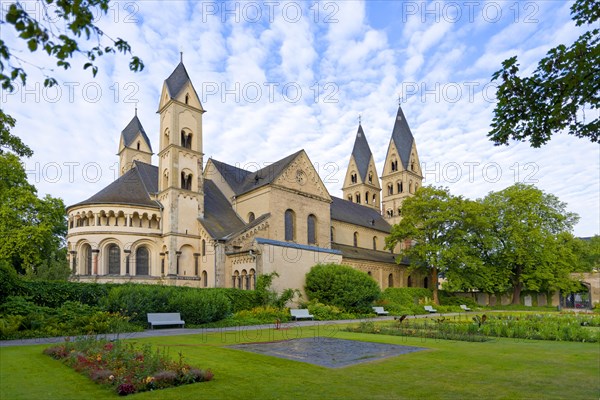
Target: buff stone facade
<point>188,223</point>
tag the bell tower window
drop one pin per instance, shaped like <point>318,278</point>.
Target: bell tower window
<point>186,139</point>
<point>186,181</point>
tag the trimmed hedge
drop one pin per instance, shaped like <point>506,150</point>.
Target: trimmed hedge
<point>55,293</point>
<point>406,296</point>
<point>197,306</point>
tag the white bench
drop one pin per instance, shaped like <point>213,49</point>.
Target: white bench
<point>380,311</point>
<point>300,313</point>
<point>164,319</point>
<point>464,307</point>
<point>430,309</point>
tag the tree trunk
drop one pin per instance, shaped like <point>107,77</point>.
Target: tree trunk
<point>434,284</point>
<point>517,286</point>
<point>517,294</point>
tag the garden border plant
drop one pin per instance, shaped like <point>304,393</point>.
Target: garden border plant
<point>480,327</point>
<point>124,367</point>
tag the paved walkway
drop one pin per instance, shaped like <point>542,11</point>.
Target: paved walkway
<point>186,331</point>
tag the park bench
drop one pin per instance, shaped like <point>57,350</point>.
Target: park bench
<point>430,309</point>
<point>380,311</point>
<point>464,307</point>
<point>155,319</point>
<point>300,313</point>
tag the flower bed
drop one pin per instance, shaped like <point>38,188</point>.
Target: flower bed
<point>559,327</point>
<point>125,367</point>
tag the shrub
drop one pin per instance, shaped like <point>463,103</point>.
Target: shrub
<point>241,299</point>
<point>19,305</point>
<point>341,286</point>
<point>406,297</point>
<point>54,294</point>
<point>196,306</point>
<point>136,301</point>
<point>10,284</point>
<point>200,305</point>
<point>324,312</point>
<point>266,314</point>
<point>449,299</point>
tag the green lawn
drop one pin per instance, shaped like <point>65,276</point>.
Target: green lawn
<point>501,368</point>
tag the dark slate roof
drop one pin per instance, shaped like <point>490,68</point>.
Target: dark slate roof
<point>177,81</point>
<point>132,188</point>
<point>149,175</point>
<point>219,218</point>
<point>402,137</point>
<point>362,153</point>
<point>249,226</point>
<point>242,181</point>
<point>233,176</point>
<point>296,246</point>
<point>131,131</point>
<point>359,253</point>
<point>352,213</point>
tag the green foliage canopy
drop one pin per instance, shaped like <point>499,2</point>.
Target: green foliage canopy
<point>32,230</point>
<point>554,97</point>
<point>517,238</point>
<point>435,222</point>
<point>58,33</point>
<point>530,230</point>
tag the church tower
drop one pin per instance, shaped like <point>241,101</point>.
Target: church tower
<point>402,174</point>
<point>361,184</point>
<point>180,160</point>
<point>133,146</point>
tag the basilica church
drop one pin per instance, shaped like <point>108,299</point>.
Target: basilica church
<point>188,223</point>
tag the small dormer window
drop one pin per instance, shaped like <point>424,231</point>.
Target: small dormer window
<point>353,178</point>
<point>187,98</point>
<point>138,145</point>
<point>394,165</point>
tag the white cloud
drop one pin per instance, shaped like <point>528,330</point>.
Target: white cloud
<point>364,69</point>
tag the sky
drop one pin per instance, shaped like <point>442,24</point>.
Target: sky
<point>276,77</point>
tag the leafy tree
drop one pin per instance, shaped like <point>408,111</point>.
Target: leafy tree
<point>32,230</point>
<point>553,98</point>
<point>587,252</point>
<point>58,33</point>
<point>532,241</point>
<point>9,141</point>
<point>65,25</point>
<point>341,286</point>
<point>434,221</point>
